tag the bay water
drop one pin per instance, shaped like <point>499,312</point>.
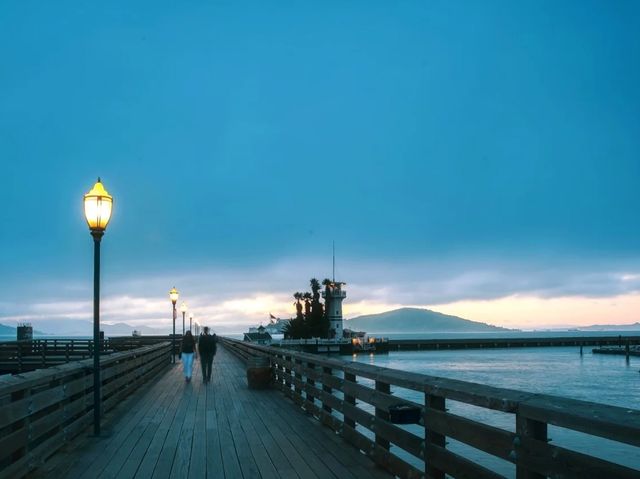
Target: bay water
<point>559,371</point>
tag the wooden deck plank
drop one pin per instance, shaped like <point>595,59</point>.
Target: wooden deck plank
<point>164,465</point>
<point>339,457</point>
<point>257,448</point>
<point>278,452</point>
<point>198,461</point>
<point>135,440</point>
<point>152,453</point>
<point>230,458</point>
<point>182,458</point>
<point>214,462</point>
<point>265,401</point>
<point>248,465</point>
<point>87,452</point>
<point>216,430</point>
<point>133,462</point>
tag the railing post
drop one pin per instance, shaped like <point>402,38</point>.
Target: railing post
<point>348,399</point>
<point>311,383</point>
<point>298,376</point>
<point>530,429</point>
<point>326,389</point>
<point>287,375</point>
<point>19,357</point>
<point>382,387</point>
<point>432,437</point>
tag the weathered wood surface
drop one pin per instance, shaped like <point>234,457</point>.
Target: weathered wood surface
<point>219,430</point>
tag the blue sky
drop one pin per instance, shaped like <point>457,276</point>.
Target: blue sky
<point>456,153</point>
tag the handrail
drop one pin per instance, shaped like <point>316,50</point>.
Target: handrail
<point>30,354</point>
<point>328,389</point>
<point>40,411</point>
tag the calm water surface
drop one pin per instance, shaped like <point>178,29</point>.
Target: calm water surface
<point>559,371</point>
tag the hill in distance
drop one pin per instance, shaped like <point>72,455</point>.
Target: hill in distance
<point>417,320</point>
<point>84,328</point>
<point>11,331</point>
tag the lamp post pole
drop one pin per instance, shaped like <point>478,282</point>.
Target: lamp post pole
<point>98,205</point>
<point>173,337</point>
<point>97,346</point>
<point>173,296</point>
<point>183,310</point>
<point>190,322</point>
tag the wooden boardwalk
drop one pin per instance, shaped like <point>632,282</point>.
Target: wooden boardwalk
<point>221,430</point>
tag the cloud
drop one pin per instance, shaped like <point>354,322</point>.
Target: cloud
<point>233,298</point>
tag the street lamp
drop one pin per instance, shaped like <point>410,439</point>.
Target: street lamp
<point>183,310</point>
<point>98,205</point>
<point>190,321</point>
<point>173,296</point>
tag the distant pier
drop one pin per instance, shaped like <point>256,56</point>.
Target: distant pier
<point>626,350</point>
<point>487,343</point>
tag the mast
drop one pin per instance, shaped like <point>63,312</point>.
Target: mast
<point>334,261</point>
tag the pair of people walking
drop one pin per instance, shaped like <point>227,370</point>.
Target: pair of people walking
<point>207,345</point>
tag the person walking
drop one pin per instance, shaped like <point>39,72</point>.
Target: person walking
<point>188,351</point>
<point>207,349</point>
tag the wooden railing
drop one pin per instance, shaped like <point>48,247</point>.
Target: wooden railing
<point>42,410</point>
<point>27,355</point>
<point>356,400</point>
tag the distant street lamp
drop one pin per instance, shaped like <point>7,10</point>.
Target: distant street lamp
<point>173,296</point>
<point>183,310</point>
<point>98,205</point>
<point>190,320</point>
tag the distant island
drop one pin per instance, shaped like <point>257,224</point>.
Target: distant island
<point>417,320</point>
<point>85,328</point>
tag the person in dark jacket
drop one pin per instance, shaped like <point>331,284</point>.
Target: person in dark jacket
<point>187,351</point>
<point>207,348</point>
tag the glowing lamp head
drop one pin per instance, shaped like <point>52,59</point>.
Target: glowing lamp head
<point>190,315</point>
<point>173,295</point>
<point>183,307</point>
<point>98,205</point>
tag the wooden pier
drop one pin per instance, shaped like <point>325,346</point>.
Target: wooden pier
<point>341,421</point>
<point>170,428</point>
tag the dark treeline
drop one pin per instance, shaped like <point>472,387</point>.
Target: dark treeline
<point>311,320</point>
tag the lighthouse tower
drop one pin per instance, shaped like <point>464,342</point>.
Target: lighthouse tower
<point>333,296</point>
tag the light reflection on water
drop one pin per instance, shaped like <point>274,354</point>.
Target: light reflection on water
<point>559,371</point>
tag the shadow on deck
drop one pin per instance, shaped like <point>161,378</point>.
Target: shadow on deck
<point>170,428</point>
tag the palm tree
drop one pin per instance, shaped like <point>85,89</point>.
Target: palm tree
<point>315,288</point>
<point>297,327</point>
<point>298,297</point>
<point>307,305</point>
